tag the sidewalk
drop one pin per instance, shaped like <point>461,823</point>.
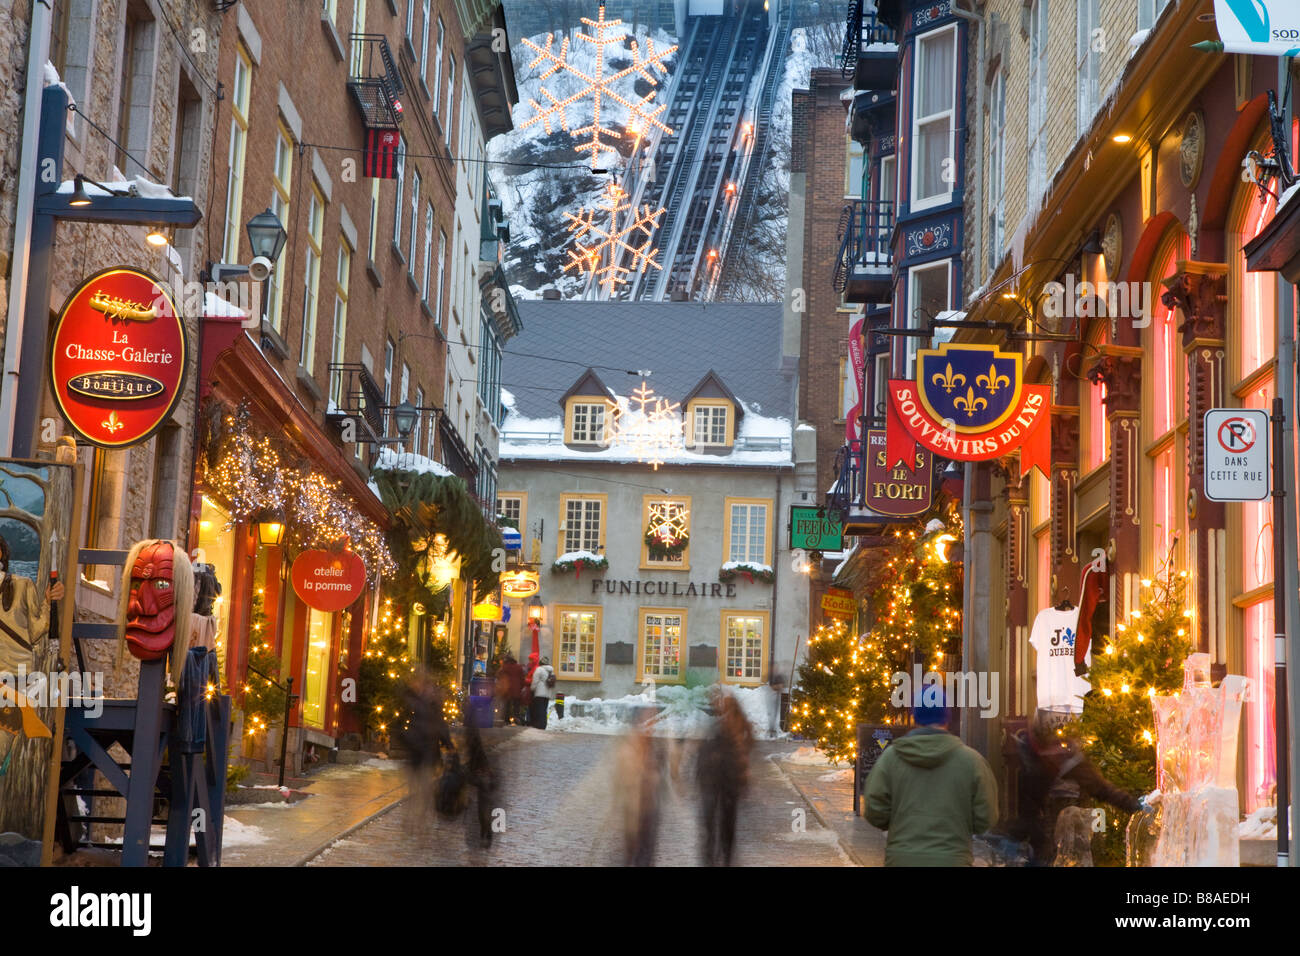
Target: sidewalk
<point>342,799</point>
<point>829,792</point>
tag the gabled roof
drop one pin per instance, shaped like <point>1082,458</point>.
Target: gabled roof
<point>712,386</point>
<point>588,384</point>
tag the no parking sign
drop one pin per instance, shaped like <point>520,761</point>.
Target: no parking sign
<point>1236,454</point>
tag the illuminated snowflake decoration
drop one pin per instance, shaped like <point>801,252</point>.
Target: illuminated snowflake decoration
<point>613,240</point>
<point>668,523</point>
<point>643,114</point>
<point>650,427</point>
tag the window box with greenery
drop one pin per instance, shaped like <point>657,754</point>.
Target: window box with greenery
<point>579,561</point>
<point>749,570</point>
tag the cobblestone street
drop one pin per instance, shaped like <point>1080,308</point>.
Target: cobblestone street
<point>558,797</point>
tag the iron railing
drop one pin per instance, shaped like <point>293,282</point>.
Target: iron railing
<point>374,81</point>
<point>850,483</point>
<point>860,32</point>
<point>866,228</point>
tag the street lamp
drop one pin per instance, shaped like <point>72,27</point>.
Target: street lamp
<point>535,609</point>
<point>405,416</point>
<point>267,236</point>
<point>270,528</point>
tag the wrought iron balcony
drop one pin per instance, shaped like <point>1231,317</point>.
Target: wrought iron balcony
<point>864,270</point>
<point>846,500</point>
<point>870,51</point>
<point>374,81</point>
<point>355,394</point>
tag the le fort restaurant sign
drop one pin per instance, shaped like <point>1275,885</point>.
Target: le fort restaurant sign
<point>117,357</point>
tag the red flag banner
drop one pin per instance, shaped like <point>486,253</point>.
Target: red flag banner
<point>379,161</point>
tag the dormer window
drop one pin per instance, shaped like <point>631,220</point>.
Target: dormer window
<point>712,414</point>
<point>587,406</point>
<point>711,425</point>
<point>588,423</point>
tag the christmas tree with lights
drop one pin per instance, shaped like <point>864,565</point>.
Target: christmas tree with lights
<point>916,614</point>
<point>1144,660</point>
<point>263,700</point>
<point>825,702</point>
<point>386,668</point>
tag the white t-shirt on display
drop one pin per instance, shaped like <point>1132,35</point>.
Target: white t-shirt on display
<point>1053,638</point>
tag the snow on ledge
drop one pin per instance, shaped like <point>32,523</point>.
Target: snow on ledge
<point>747,566</point>
<point>587,557</point>
<point>391,460</point>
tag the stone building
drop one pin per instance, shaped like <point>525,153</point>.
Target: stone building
<point>143,77</point>
<point>715,596</point>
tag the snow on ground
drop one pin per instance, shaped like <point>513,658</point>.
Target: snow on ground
<point>380,764</point>
<point>1260,825</point>
<point>233,833</point>
<point>681,712</point>
<point>808,757</point>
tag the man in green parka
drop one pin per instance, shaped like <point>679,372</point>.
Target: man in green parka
<point>931,792</point>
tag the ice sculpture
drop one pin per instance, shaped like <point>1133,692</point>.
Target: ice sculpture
<point>1194,817</point>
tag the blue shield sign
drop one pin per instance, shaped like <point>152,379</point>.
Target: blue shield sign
<point>512,539</point>
<point>975,387</point>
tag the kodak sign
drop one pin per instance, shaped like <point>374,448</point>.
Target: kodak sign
<point>969,403</point>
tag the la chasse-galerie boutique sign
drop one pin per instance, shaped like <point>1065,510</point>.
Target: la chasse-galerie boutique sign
<point>117,360</point>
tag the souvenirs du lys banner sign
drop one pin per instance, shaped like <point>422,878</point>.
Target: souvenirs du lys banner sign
<point>969,403</point>
<point>118,357</point>
<point>328,581</point>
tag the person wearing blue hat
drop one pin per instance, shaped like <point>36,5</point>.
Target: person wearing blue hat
<point>930,791</point>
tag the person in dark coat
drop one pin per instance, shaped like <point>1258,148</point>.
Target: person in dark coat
<point>1055,774</point>
<point>425,737</point>
<point>722,771</point>
<point>484,782</point>
<point>510,682</point>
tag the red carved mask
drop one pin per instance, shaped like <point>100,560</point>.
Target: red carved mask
<point>151,611</point>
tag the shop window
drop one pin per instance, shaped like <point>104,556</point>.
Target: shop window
<point>1164,505</point>
<point>317,683</point>
<point>1261,737</point>
<point>1043,569</point>
<point>577,651</point>
<point>744,646</point>
<point>1097,444</point>
<point>216,539</point>
<point>661,644</point>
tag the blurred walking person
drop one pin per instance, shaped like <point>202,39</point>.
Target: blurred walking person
<point>543,689</point>
<point>425,737</point>
<point>510,685</point>
<point>722,772</point>
<point>638,784</point>
<point>932,793</point>
<point>485,783</point>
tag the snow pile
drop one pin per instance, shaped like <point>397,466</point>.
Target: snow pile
<point>234,833</point>
<point>1286,196</point>
<point>380,764</point>
<point>810,757</point>
<point>587,557</point>
<point>1260,825</point>
<point>681,711</point>
<point>838,776</point>
<point>409,461</point>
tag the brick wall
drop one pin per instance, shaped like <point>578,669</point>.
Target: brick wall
<point>819,149</point>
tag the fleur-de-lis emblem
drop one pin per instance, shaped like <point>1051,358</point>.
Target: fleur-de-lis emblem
<point>949,379</point>
<point>969,403</point>
<point>993,380</point>
<point>113,423</point>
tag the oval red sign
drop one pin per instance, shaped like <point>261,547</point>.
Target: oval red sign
<point>328,581</point>
<point>117,358</point>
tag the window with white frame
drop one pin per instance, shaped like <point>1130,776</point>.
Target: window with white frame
<point>853,174</point>
<point>390,352</point>
<point>415,221</point>
<point>710,425</point>
<point>401,190</point>
<point>1036,179</point>
<point>442,272</point>
<point>582,518</point>
<point>311,278</point>
<point>997,166</point>
<point>511,508</point>
<point>410,22</point>
<point>355,65</point>
<point>424,41</point>
<point>428,252</point>
<point>888,180</point>
<point>579,642</point>
<point>417,434</point>
<point>451,90</point>
<point>880,387</point>
<point>746,639</point>
<point>341,279</point>
<point>747,532</point>
<point>929,292</point>
<point>372,241</point>
<point>661,644</point>
<point>1087,65</point>
<point>240,89</point>
<point>281,179</point>
<point>935,92</point>
<point>588,422</point>
<point>437,65</point>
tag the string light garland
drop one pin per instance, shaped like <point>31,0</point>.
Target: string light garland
<point>252,473</point>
